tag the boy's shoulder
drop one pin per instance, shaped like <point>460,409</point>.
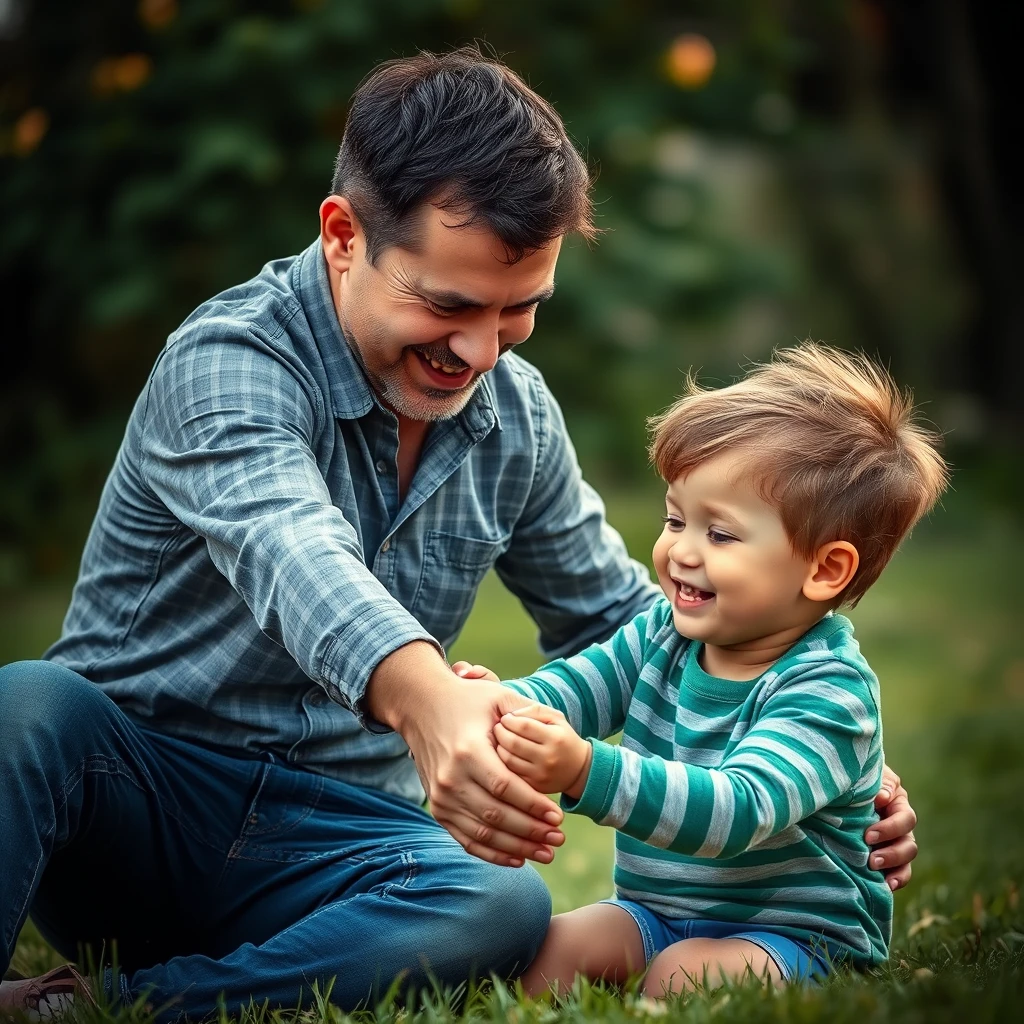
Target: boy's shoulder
<point>650,638</point>
<point>829,652</point>
<point>832,636</point>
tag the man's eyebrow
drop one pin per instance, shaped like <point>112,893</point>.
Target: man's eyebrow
<point>456,300</point>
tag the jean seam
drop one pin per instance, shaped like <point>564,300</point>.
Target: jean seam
<point>412,869</point>
<point>646,935</point>
<point>778,959</point>
<point>36,875</point>
<point>121,770</point>
<point>309,809</point>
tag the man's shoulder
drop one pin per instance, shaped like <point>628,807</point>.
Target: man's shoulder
<point>265,304</point>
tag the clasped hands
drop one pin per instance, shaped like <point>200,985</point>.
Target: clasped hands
<point>541,748</point>
<point>537,743</point>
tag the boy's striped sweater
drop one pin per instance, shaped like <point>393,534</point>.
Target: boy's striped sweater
<point>742,802</point>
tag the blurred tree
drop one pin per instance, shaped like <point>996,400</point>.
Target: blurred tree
<point>752,182</point>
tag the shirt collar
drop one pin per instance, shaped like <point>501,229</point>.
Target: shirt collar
<point>351,393</point>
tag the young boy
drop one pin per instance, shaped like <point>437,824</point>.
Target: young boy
<point>752,742</point>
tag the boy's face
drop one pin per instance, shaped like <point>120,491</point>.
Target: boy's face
<point>726,564</point>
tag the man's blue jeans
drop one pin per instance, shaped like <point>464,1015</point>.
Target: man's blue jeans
<point>221,875</point>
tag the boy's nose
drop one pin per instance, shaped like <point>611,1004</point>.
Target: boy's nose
<point>684,552</point>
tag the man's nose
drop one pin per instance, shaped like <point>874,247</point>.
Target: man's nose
<point>478,348</point>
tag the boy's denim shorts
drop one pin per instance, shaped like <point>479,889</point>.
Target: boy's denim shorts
<point>809,961</point>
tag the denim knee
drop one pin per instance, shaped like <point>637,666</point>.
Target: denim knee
<point>513,910</point>
<point>41,702</point>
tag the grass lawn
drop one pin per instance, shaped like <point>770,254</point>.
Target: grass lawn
<point>940,629</point>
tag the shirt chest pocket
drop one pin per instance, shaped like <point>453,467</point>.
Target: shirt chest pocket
<point>449,578</point>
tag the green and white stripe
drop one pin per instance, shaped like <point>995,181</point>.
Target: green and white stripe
<point>734,801</point>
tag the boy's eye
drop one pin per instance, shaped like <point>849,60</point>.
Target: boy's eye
<point>673,522</point>
<point>717,537</point>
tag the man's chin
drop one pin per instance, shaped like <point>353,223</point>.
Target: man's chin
<point>430,404</point>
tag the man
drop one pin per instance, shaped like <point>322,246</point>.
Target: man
<point>211,766</point>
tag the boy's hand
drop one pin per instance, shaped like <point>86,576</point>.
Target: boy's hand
<point>465,670</point>
<point>540,746</point>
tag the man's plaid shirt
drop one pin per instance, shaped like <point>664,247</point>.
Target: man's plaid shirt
<point>251,563</point>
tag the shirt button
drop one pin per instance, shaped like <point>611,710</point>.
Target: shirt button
<point>387,544</point>
<point>318,698</point>
<point>381,466</point>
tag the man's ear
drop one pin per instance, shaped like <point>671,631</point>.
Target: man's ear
<point>340,232</point>
<point>832,568</point>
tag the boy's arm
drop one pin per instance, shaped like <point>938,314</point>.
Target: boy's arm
<point>592,689</point>
<point>814,740</point>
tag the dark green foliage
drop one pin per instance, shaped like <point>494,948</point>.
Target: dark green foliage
<point>154,152</point>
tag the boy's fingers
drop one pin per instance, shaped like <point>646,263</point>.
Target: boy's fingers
<point>524,769</point>
<point>889,786</point>
<point>898,822</point>
<point>894,857</point>
<point>898,877</point>
<point>539,713</point>
<point>521,746</point>
<point>464,670</point>
<point>528,728</point>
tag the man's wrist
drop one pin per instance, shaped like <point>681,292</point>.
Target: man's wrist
<point>403,681</point>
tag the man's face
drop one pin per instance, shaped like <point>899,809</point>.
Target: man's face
<point>427,324</point>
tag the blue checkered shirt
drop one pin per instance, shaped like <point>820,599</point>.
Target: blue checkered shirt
<point>251,561</point>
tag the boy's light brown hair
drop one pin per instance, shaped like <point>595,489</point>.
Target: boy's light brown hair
<point>833,444</point>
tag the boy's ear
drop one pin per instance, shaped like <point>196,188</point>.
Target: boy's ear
<point>832,568</point>
<point>340,232</point>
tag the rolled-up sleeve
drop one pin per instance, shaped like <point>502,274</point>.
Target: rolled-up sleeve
<point>228,446</point>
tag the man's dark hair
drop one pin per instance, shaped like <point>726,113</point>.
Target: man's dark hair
<point>465,133</point>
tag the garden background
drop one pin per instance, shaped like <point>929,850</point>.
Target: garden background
<point>765,171</point>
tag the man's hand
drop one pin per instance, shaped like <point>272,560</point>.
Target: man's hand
<point>539,745</point>
<point>892,837</point>
<point>448,724</point>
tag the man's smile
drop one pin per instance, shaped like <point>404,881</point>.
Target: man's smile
<point>443,373</point>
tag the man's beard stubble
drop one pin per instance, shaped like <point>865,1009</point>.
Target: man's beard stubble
<point>389,384</point>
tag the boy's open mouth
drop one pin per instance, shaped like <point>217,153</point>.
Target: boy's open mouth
<point>691,597</point>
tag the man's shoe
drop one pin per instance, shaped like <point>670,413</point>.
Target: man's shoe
<point>44,997</point>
